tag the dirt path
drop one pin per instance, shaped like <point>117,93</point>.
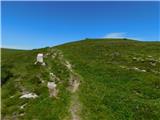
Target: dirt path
<point>75,107</point>
<point>74,83</point>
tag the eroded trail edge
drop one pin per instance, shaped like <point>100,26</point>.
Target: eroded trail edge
<point>74,83</point>
<point>75,106</point>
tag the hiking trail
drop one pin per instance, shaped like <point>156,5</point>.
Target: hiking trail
<point>74,83</point>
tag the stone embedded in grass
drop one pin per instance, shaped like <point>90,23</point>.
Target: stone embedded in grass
<point>143,70</point>
<point>134,58</point>
<point>22,107</point>
<point>149,56</point>
<point>42,81</point>
<point>139,59</point>
<point>137,69</point>
<point>53,77</point>
<point>68,65</point>
<point>22,114</point>
<point>43,64</point>
<point>133,68</point>
<point>54,55</point>
<point>52,89</point>
<point>153,63</point>
<point>29,95</point>
<point>123,66</point>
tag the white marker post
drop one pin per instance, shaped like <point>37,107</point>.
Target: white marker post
<point>40,57</point>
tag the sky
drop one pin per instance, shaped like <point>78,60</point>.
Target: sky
<point>28,25</point>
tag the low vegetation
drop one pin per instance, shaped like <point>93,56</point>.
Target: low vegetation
<point>120,80</point>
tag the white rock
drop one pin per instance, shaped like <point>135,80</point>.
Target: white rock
<point>149,56</point>
<point>139,70</point>
<point>143,70</point>
<point>135,68</point>
<point>153,64</point>
<point>22,107</point>
<point>29,95</point>
<point>51,85</point>
<point>134,58</point>
<point>43,64</point>
<point>51,74</point>
<point>68,65</point>
<point>42,81</point>
<point>22,114</point>
<point>52,89</point>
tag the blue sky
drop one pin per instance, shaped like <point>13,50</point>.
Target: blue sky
<point>30,25</point>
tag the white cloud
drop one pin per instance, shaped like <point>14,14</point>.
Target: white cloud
<point>121,35</point>
<point>14,47</point>
<point>115,35</point>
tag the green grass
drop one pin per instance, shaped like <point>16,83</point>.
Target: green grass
<point>110,92</point>
<point>28,75</point>
<point>107,91</point>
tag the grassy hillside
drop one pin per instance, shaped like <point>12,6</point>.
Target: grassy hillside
<point>28,77</point>
<point>119,80</point>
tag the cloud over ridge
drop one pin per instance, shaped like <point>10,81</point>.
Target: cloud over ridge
<point>115,35</point>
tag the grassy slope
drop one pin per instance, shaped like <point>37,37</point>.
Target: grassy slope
<point>110,92</point>
<point>27,75</point>
<point>107,91</point>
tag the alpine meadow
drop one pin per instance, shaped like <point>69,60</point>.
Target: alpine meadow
<point>97,79</point>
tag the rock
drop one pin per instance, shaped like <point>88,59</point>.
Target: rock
<point>22,114</point>
<point>139,70</point>
<point>68,65</point>
<point>52,89</point>
<point>143,70</point>
<point>51,85</point>
<point>43,64</point>
<point>54,55</point>
<point>149,56</point>
<point>153,63</point>
<point>134,58</point>
<point>47,54</point>
<point>135,68</point>
<point>29,95</point>
<point>22,107</point>
<point>53,77</point>
<point>42,81</point>
<point>51,74</point>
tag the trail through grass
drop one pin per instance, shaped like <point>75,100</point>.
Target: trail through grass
<point>102,79</point>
